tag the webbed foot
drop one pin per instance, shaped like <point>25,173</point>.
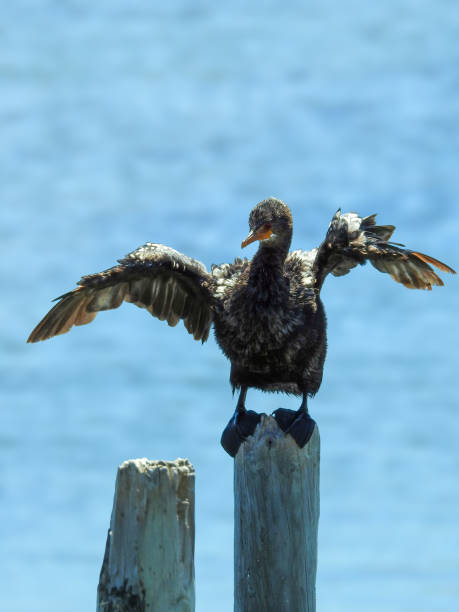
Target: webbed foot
<point>241,425</point>
<point>297,423</point>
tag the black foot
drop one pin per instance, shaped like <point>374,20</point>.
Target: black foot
<point>241,425</point>
<point>297,423</point>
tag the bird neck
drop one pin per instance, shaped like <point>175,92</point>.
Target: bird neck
<point>267,269</point>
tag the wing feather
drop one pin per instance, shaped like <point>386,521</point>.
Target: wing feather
<point>170,285</point>
<point>351,240</point>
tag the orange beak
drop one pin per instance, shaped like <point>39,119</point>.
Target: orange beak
<point>259,234</point>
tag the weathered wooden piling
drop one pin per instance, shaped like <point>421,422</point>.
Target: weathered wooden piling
<point>149,555</point>
<point>276,486</point>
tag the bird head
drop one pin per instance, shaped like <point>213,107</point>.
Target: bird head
<point>270,222</point>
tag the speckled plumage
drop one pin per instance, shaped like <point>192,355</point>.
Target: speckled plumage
<point>267,313</point>
<point>272,326</point>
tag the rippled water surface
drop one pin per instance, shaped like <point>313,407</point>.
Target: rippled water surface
<point>123,122</point>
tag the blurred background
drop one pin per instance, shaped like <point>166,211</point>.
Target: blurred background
<point>126,122</point>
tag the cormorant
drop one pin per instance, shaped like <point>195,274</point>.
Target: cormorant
<point>267,313</point>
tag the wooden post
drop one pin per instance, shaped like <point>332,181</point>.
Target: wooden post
<point>276,487</point>
<point>148,564</point>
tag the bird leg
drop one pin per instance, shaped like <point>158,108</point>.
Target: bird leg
<point>296,423</point>
<point>241,425</point>
<point>240,406</point>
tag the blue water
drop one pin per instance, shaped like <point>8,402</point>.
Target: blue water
<point>124,122</point>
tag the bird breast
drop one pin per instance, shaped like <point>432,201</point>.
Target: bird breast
<point>250,325</point>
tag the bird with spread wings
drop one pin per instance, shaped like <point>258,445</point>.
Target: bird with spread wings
<point>267,313</point>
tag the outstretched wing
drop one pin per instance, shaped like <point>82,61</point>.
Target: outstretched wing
<point>170,285</point>
<point>352,240</point>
